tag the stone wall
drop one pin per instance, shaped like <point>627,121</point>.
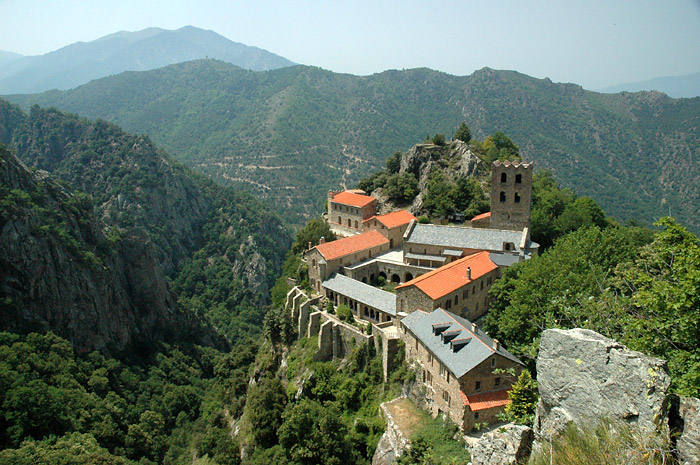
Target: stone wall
<point>511,191</point>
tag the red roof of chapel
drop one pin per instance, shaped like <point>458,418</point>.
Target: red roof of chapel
<point>482,216</point>
<point>350,198</point>
<point>352,244</point>
<point>393,219</point>
<point>446,279</point>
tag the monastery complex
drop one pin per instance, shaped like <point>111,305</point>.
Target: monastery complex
<point>440,276</point>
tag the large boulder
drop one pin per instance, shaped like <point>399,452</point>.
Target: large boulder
<point>584,376</point>
<point>688,445</point>
<point>507,445</point>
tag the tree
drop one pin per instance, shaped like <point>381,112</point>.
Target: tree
<point>312,232</point>
<point>463,133</point>
<point>438,139</point>
<point>264,407</point>
<point>523,400</point>
<point>402,187</point>
<point>393,163</point>
<point>314,434</point>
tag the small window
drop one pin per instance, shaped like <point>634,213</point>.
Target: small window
<point>518,179</point>
<point>493,362</point>
<point>504,177</point>
<point>465,294</point>
<point>476,415</point>
<point>482,285</point>
<point>313,263</point>
<point>456,300</point>
<point>497,381</point>
<point>477,386</point>
<point>447,377</point>
<point>503,197</point>
<point>516,199</point>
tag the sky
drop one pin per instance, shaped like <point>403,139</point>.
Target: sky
<point>594,43</point>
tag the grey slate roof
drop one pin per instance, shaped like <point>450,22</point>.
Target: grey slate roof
<point>361,292</point>
<point>478,346</point>
<point>465,238</point>
<point>420,256</point>
<point>504,259</point>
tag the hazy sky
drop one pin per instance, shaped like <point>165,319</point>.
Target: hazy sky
<point>590,42</point>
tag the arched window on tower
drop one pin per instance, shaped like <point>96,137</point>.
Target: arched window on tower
<point>518,179</point>
<point>504,177</point>
<point>503,197</point>
<point>516,199</point>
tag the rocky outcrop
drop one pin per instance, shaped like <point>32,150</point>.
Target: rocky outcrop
<point>393,442</point>
<point>688,442</point>
<point>584,376</point>
<point>454,160</point>
<point>507,445</point>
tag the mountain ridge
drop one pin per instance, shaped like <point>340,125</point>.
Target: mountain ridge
<point>151,48</point>
<point>262,131</point>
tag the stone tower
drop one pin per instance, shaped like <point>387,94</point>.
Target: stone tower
<point>511,192</point>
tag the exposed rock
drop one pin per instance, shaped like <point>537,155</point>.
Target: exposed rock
<point>393,442</point>
<point>688,444</point>
<point>508,445</point>
<point>584,376</point>
<point>455,160</point>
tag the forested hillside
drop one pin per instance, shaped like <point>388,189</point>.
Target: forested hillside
<point>291,134</point>
<point>222,248</point>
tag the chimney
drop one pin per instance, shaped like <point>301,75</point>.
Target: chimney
<point>495,344</point>
<point>322,240</point>
<point>469,272</point>
<point>474,328</point>
<point>310,245</point>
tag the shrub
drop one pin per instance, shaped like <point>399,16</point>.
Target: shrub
<point>345,314</point>
<point>438,139</point>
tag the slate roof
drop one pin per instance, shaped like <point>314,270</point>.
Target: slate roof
<point>351,198</point>
<point>394,219</point>
<point>478,347</point>
<point>361,292</point>
<point>504,259</point>
<point>465,238</point>
<point>352,244</point>
<point>420,256</point>
<point>486,400</point>
<point>446,279</point>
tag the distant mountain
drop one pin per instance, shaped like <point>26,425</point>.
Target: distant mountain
<point>674,86</point>
<point>292,134</point>
<point>6,57</point>
<point>152,48</point>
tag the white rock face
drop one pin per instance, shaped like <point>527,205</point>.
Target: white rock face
<point>584,376</point>
<point>508,445</point>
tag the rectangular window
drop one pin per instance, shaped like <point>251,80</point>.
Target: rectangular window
<point>497,381</point>
<point>493,362</point>
<point>477,386</point>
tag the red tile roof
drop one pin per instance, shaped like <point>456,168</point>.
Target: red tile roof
<point>393,219</point>
<point>350,198</point>
<point>449,278</point>
<point>486,400</point>
<point>482,216</point>
<point>352,244</point>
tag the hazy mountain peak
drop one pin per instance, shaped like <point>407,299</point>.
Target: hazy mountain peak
<point>144,50</point>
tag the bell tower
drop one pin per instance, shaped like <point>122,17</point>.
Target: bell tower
<point>511,193</point>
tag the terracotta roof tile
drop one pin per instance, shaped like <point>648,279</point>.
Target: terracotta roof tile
<point>352,244</point>
<point>449,278</point>
<point>350,198</point>
<point>393,219</point>
<point>482,216</point>
<point>486,400</point>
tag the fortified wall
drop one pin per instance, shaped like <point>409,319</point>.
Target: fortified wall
<point>337,338</point>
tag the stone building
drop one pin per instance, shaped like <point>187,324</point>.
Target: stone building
<point>434,245</point>
<point>348,209</point>
<point>366,302</point>
<point>456,362</point>
<point>330,257</point>
<point>511,192</point>
<point>392,225</point>
<point>461,287</point>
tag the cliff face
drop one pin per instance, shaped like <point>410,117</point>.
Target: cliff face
<point>132,182</point>
<point>60,271</point>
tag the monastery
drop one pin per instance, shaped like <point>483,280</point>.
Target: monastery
<point>441,277</point>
